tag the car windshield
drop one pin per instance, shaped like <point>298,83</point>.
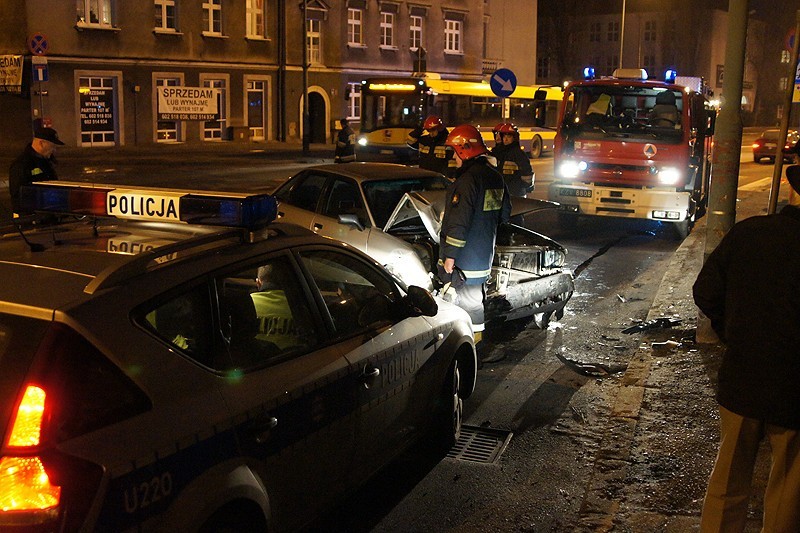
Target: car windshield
<point>770,135</point>
<point>383,196</point>
<point>626,111</point>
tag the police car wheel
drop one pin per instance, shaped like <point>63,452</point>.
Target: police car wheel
<point>451,410</point>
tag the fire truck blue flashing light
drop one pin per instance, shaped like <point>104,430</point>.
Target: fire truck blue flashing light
<point>670,75</point>
<point>588,73</point>
<point>165,205</point>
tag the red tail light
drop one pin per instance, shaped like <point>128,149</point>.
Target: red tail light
<point>26,495</point>
<point>756,145</point>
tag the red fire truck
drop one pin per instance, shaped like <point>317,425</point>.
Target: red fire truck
<point>631,147</point>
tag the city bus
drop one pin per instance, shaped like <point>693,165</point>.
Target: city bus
<point>392,107</point>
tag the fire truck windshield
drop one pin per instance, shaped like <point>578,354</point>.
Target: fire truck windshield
<point>626,111</point>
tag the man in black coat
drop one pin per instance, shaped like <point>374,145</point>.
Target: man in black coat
<point>34,164</point>
<point>750,290</point>
<point>345,151</point>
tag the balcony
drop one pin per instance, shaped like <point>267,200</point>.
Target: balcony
<point>490,65</point>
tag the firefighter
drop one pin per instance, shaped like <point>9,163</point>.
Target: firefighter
<point>513,163</point>
<point>477,202</point>
<point>430,139</point>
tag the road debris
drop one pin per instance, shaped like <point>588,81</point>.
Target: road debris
<point>663,322</point>
<point>594,370</point>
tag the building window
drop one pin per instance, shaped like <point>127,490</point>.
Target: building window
<point>355,18</point>
<point>212,17</point>
<point>613,32</point>
<point>313,40</point>
<point>594,32</point>
<point>255,19</point>
<point>650,30</point>
<point>256,109</point>
<point>452,37</point>
<point>168,130</point>
<point>649,64</point>
<point>415,32</point>
<point>612,63</point>
<point>95,12</point>
<point>387,29</point>
<point>98,103</point>
<point>165,15</point>
<point>543,68</point>
<point>213,129</point>
<point>354,101</point>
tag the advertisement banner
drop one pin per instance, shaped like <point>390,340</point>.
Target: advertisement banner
<point>10,74</point>
<point>187,103</point>
<point>97,109</point>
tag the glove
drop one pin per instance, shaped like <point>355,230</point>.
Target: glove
<point>456,278</point>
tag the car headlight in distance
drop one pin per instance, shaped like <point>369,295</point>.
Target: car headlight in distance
<point>571,169</point>
<point>669,175</point>
<point>362,141</point>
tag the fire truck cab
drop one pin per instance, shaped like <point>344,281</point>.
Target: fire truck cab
<point>631,147</point>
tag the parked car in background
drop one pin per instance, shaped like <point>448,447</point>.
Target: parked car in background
<point>394,212</point>
<point>186,365</point>
<point>765,146</point>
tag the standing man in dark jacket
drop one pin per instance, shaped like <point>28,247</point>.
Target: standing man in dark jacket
<point>750,290</point>
<point>429,139</point>
<point>477,202</point>
<point>513,163</point>
<point>34,164</point>
<point>345,144</point>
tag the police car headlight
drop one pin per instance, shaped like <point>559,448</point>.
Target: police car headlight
<point>407,266</point>
<point>571,169</point>
<point>669,175</point>
<point>362,141</point>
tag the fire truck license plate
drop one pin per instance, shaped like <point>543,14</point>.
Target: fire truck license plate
<point>583,193</point>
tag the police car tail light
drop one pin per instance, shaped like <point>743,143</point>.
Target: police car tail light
<point>27,496</point>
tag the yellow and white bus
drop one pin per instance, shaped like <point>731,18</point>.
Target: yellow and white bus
<point>392,107</point>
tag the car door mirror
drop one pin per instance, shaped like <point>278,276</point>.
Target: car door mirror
<point>350,219</point>
<point>422,301</point>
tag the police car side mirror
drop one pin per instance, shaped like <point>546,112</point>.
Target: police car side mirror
<point>422,301</point>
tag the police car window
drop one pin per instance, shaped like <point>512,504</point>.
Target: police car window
<point>357,295</point>
<point>344,198</point>
<point>303,192</point>
<point>264,316</point>
<point>184,321</point>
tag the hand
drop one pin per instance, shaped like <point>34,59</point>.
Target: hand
<point>449,265</point>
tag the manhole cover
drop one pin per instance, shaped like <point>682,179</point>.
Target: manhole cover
<point>480,445</point>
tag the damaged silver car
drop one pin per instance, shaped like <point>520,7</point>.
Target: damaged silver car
<point>394,213</point>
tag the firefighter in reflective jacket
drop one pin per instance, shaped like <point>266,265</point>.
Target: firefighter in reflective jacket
<point>477,203</point>
<point>512,162</point>
<point>430,139</point>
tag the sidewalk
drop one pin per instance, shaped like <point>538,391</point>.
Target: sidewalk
<point>661,439</point>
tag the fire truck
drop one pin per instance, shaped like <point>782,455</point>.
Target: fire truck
<point>627,146</point>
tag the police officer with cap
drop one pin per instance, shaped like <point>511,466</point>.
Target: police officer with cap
<point>430,139</point>
<point>477,202</point>
<point>36,163</point>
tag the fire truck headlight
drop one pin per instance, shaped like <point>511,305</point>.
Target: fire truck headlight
<point>571,169</point>
<point>669,175</point>
<point>362,141</point>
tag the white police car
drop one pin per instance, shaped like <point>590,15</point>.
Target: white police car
<point>187,366</point>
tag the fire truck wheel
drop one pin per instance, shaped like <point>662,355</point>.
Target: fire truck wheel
<point>536,148</point>
<point>683,228</point>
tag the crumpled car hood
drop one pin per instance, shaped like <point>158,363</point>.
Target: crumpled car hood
<point>429,207</point>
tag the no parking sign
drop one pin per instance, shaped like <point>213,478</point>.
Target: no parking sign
<point>38,44</point>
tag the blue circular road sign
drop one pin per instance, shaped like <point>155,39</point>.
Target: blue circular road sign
<point>503,82</point>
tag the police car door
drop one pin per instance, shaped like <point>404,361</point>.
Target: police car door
<point>391,351</point>
<point>291,391</point>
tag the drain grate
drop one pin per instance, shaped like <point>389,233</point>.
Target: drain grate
<point>480,445</point>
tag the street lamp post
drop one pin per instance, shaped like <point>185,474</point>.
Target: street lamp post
<point>306,131</point>
<point>622,34</point>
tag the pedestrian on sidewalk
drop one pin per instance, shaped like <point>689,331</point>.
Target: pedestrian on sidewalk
<point>35,163</point>
<point>750,290</point>
<point>345,151</point>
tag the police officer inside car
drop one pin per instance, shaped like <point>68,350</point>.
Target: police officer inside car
<point>477,202</point>
<point>36,163</point>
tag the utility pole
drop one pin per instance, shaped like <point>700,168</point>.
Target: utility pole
<point>282,71</point>
<point>727,145</point>
<point>622,34</point>
<point>306,131</point>
<point>777,170</point>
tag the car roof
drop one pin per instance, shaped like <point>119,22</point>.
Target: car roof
<point>63,263</point>
<point>375,171</point>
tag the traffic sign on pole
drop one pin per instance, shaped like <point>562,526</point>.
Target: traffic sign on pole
<point>38,44</point>
<point>503,82</point>
<point>39,64</point>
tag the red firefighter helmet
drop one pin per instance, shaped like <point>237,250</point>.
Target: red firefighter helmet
<point>506,127</point>
<point>432,123</point>
<point>467,142</point>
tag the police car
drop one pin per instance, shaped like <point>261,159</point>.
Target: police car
<point>174,362</point>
